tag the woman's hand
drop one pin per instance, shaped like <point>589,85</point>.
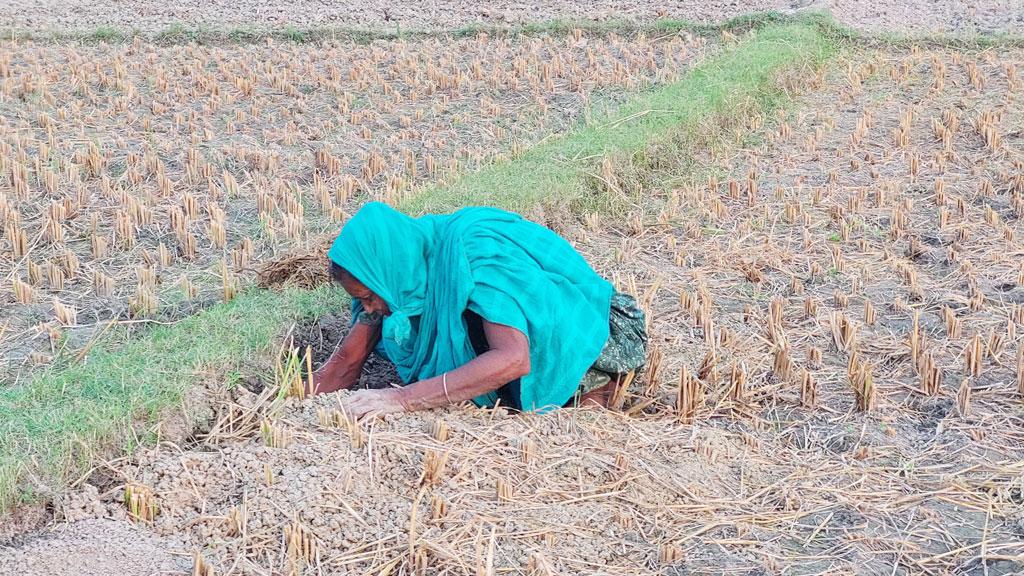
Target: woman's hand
<point>374,402</point>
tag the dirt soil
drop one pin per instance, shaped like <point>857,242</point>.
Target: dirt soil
<point>154,15</point>
<point>322,335</point>
<point>98,547</point>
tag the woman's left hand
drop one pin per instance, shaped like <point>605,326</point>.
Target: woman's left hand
<point>374,402</point>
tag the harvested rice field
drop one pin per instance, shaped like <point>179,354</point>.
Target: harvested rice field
<point>833,279</point>
<point>146,181</point>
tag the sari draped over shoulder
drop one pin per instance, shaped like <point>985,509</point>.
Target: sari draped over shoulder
<point>506,269</point>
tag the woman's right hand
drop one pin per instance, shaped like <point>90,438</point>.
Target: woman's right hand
<point>372,403</point>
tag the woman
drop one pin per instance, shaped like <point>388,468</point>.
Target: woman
<point>478,305</point>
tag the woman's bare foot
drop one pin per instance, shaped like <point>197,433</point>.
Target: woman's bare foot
<point>601,396</point>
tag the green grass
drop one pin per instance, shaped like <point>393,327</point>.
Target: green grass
<point>179,33</point>
<point>295,35</point>
<point>108,34</point>
<point>565,170</point>
<point>52,426</point>
<point>55,423</point>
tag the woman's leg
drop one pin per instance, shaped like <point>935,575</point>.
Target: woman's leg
<point>598,397</point>
<point>601,389</point>
<point>623,354</point>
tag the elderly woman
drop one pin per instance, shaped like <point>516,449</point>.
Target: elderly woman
<point>478,305</point>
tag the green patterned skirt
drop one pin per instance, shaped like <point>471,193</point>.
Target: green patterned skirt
<point>624,351</point>
<point>626,348</point>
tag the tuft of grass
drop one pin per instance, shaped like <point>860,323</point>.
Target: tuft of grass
<point>742,79</point>
<point>295,35</point>
<point>243,35</point>
<point>53,425</point>
<point>955,41</point>
<point>180,33</point>
<point>107,34</point>
<point>175,33</point>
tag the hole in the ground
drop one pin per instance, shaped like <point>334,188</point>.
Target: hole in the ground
<point>253,384</point>
<point>323,335</point>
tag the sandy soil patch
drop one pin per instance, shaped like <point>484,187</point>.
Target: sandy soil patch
<point>96,547</point>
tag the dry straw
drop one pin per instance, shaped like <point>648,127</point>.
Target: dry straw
<point>200,567</point>
<point>65,314</point>
<point>434,463</point>
<point>738,383</point>
<point>275,435</point>
<point>669,553</point>
<point>963,398</point>
<point>504,490</point>
<point>1020,371</point>
<point>808,389</point>
<point>690,396</point>
<point>844,332</point>
<point>931,374</point>
<point>862,381</point>
<point>301,546</point>
<point>440,430</point>
<point>140,502</point>
<point>974,356</point>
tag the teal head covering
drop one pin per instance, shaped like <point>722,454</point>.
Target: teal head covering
<point>510,271</point>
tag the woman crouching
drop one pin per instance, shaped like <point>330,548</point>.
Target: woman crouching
<point>478,305</point>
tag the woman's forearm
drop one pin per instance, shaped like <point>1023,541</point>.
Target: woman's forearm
<point>507,358</point>
<point>343,368</point>
<point>485,373</point>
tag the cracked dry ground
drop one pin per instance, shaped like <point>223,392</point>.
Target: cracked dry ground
<point>843,304</point>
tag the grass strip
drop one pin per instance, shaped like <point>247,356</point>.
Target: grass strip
<point>55,423</point>
<point>563,170</point>
<point>180,33</point>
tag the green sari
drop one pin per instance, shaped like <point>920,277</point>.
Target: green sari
<point>508,270</point>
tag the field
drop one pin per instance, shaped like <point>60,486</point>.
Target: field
<point>148,179</point>
<point>296,18</point>
<point>825,230</point>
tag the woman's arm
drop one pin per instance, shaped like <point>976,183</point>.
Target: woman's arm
<point>342,369</point>
<point>507,358</point>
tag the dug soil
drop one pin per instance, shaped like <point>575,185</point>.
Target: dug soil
<point>322,335</point>
<point>98,547</point>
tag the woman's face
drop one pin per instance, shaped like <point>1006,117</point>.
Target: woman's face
<point>370,301</point>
